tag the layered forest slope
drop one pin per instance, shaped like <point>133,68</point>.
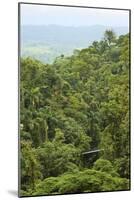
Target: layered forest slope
<point>77,104</point>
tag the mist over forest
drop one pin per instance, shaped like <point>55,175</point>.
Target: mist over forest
<point>47,42</point>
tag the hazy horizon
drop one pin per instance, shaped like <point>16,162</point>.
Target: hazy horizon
<point>73,26</point>
<point>49,31</point>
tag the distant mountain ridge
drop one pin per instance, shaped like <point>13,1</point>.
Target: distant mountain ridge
<point>46,42</point>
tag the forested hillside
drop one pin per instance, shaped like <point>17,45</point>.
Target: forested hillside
<point>76,105</point>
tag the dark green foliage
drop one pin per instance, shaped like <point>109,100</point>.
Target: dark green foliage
<point>77,182</point>
<point>57,158</point>
<point>77,104</point>
<point>30,166</point>
<point>105,166</point>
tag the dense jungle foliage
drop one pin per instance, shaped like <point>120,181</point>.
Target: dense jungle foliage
<point>75,105</point>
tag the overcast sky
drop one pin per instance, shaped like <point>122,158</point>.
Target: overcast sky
<point>70,16</point>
